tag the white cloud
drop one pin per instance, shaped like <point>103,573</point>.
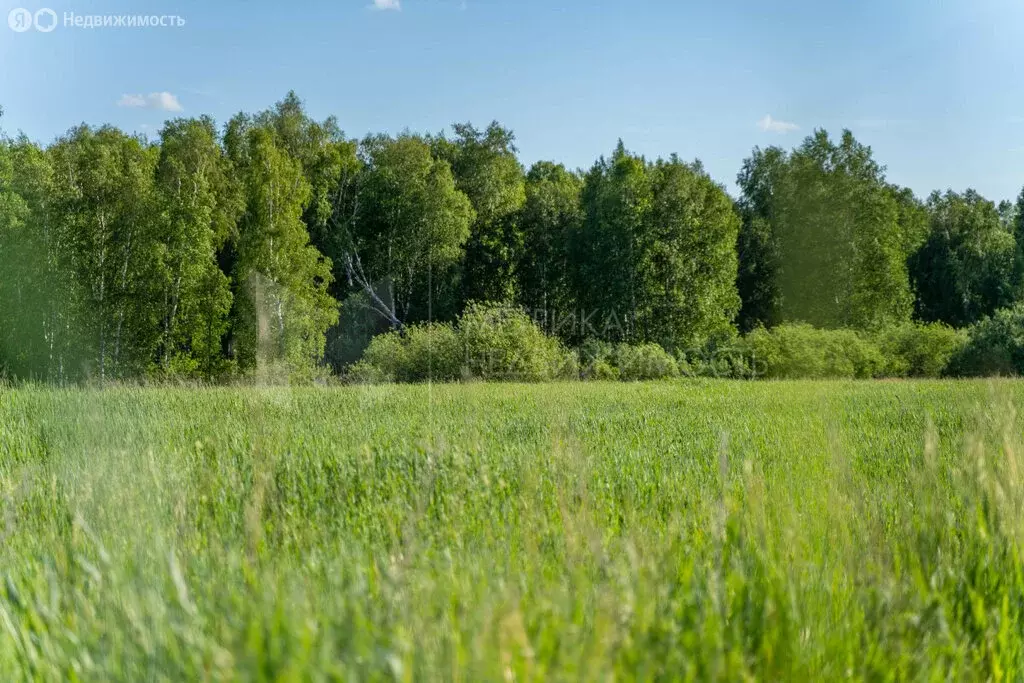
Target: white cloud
<point>162,101</point>
<point>131,101</point>
<point>770,125</point>
<point>387,4</point>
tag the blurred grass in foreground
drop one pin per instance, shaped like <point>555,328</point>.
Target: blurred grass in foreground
<point>690,530</point>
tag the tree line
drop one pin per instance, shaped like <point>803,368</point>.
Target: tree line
<point>277,243</point>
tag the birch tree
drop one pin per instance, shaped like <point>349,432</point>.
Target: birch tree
<point>103,195</point>
<point>198,215</point>
<point>282,307</point>
<point>407,226</point>
<point>551,215</point>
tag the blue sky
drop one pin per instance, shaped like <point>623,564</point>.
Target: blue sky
<point>934,86</point>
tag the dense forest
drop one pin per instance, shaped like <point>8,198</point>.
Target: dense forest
<point>277,244</point>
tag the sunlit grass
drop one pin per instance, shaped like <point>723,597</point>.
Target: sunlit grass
<point>680,530</point>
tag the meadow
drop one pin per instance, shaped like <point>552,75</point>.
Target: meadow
<point>681,530</point>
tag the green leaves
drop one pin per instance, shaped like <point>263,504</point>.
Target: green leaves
<point>757,246</point>
<point>213,252</point>
<point>550,217</point>
<point>192,184</point>
<point>410,226</point>
<point>690,287</point>
<point>486,169</point>
<point>490,342</point>
<point>655,258</point>
<point>825,238</point>
<point>282,307</point>
<point>967,268</point>
<point>104,230</point>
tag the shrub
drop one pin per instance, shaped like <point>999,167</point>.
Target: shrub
<point>418,353</point>
<point>432,351</point>
<point>596,362</point>
<point>502,342</point>
<point>383,359</point>
<point>569,365</point>
<point>363,372</point>
<point>995,346</point>
<point>357,326</point>
<point>798,350</point>
<point>720,361</point>
<point>602,370</point>
<point>626,362</point>
<point>913,350</point>
<point>490,342</point>
<point>643,362</point>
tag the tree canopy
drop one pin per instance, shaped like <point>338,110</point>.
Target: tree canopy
<point>275,241</point>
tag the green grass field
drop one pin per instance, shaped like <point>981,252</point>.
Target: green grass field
<point>681,530</point>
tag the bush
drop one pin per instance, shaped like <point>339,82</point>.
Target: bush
<point>643,362</point>
<point>919,350</point>
<point>602,370</point>
<point>626,362</point>
<point>416,354</point>
<point>502,342</point>
<point>358,324</point>
<point>995,346</point>
<point>496,342</point>
<point>363,372</point>
<point>730,360</point>
<point>596,362</point>
<point>798,350</point>
<point>490,342</point>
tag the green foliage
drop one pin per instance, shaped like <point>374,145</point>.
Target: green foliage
<point>282,307</point>
<point>503,342</point>
<point>487,170</point>
<point>965,270</point>
<point>825,238</point>
<point>690,277</point>
<point>357,325</point>
<point>655,258</point>
<point>915,350</point>
<point>841,243</point>
<point>103,202</point>
<point>490,342</point>
<point>208,256</point>
<point>757,248</point>
<point>329,163</point>
<point>185,258</point>
<point>644,362</point>
<point>995,346</point>
<point>798,350</point>
<point>23,266</point>
<point>596,360</point>
<point>409,229</point>
<point>608,251</point>
<point>626,362</point>
<point>1013,218</point>
<point>43,301</point>
<point>191,188</point>
<point>551,215</point>
<point>420,352</point>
